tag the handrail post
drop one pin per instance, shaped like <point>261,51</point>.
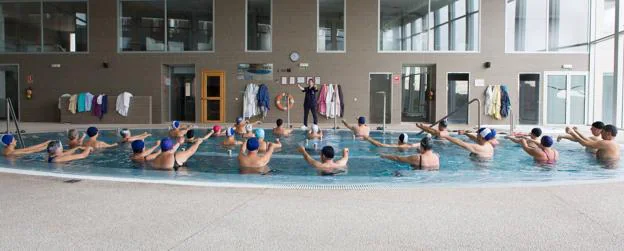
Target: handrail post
<point>288,108</point>
<point>336,107</point>
<point>12,112</point>
<point>456,110</point>
<point>8,116</point>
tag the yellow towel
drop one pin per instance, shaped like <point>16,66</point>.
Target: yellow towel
<point>72,103</point>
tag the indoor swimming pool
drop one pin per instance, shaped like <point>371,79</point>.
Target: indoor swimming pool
<point>216,165</point>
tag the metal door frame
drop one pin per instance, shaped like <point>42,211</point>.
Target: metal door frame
<point>19,99</point>
<point>568,75</point>
<point>539,99</point>
<point>389,96</point>
<point>447,89</point>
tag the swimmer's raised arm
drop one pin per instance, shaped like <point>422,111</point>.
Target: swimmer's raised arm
<point>348,126</point>
<point>533,151</point>
<point>70,157</point>
<point>185,155</point>
<point>460,143</point>
<point>375,142</point>
<point>101,144</point>
<point>208,135</point>
<point>32,149</point>
<point>584,142</point>
<point>345,157</point>
<point>306,156</point>
<point>151,150</point>
<point>406,159</point>
<point>428,129</point>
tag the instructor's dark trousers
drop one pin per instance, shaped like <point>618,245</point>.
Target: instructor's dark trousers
<point>307,108</point>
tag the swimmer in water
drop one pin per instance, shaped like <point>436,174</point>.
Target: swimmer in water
<point>10,145</point>
<point>401,144</point>
<point>315,133</point>
<point>170,159</point>
<point>74,140</point>
<point>241,123</point>
<point>533,139</point>
<point>190,136</point>
<point>327,165</point>
<point>361,130</point>
<point>442,128</point>
<point>93,142</point>
<point>252,162</point>
<point>248,131</point>
<point>483,149</point>
<point>474,137</point>
<point>56,154</point>
<point>280,131</point>
<point>263,144</point>
<point>542,153</point>
<point>608,150</point>
<point>142,155</point>
<point>127,137</point>
<point>230,139</point>
<point>178,130</point>
<point>218,131</point>
<point>596,131</point>
<point>425,160</point>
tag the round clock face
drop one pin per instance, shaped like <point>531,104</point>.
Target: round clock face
<point>294,56</point>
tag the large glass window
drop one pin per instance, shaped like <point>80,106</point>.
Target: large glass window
<point>331,25</point>
<point>553,25</point>
<point>422,25</point>
<point>188,25</point>
<point>65,26</point>
<point>259,25</point>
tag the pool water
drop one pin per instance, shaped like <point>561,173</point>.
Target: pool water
<point>213,163</point>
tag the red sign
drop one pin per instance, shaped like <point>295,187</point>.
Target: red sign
<point>396,79</point>
<point>29,79</point>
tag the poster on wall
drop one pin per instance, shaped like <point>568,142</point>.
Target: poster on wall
<point>255,72</point>
<point>317,80</point>
<point>292,81</point>
<point>284,80</point>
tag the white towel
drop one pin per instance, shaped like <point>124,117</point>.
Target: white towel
<point>123,103</point>
<point>60,98</point>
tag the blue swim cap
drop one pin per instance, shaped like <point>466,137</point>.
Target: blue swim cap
<point>260,133</point>
<point>239,120</point>
<point>230,132</point>
<point>137,146</point>
<point>487,133</point>
<point>253,144</point>
<point>166,144</point>
<point>7,139</point>
<point>361,120</point>
<point>92,131</point>
<point>547,141</point>
<point>175,124</point>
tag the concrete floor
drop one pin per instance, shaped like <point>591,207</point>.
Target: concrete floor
<point>47,213</point>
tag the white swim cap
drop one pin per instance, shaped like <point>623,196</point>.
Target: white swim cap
<point>315,128</point>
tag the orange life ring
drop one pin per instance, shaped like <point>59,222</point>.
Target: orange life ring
<point>280,105</point>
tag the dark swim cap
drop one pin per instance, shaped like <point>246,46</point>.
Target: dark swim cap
<point>361,120</point>
<point>547,141</point>
<point>403,138</point>
<point>426,143</point>
<point>279,122</point>
<point>190,134</point>
<point>166,144</point>
<point>536,132</point>
<point>124,132</point>
<point>328,152</point>
<point>54,146</point>
<point>92,131</point>
<point>444,123</point>
<point>7,139</point>
<point>137,146</point>
<point>253,144</point>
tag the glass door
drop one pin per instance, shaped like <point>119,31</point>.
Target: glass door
<point>458,97</point>
<point>529,98</point>
<point>416,83</point>
<point>566,98</point>
<point>213,97</point>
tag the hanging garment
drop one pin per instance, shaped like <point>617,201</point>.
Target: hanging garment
<point>505,102</point>
<point>96,108</point>
<point>60,107</point>
<point>337,102</point>
<point>264,100</point>
<point>488,101</point>
<point>341,100</point>
<point>250,101</point>
<point>88,101</point>
<point>72,103</point>
<point>321,105</point>
<point>123,103</point>
<point>104,105</point>
<point>81,102</point>
<point>330,102</point>
<point>496,102</point>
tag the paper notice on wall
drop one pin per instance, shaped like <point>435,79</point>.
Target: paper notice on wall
<point>187,89</point>
<point>301,80</point>
<point>479,82</point>
<point>317,80</point>
<point>167,82</point>
<point>284,80</point>
<point>292,80</point>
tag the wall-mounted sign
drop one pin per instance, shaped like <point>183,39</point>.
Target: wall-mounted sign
<point>29,79</point>
<point>255,72</point>
<point>396,79</point>
<point>479,82</point>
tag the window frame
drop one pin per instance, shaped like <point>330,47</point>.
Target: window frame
<point>547,10</point>
<point>344,21</point>
<point>430,33</point>
<point>166,28</point>
<point>41,29</point>
<point>246,29</point>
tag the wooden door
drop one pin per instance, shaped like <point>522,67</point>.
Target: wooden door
<point>213,97</point>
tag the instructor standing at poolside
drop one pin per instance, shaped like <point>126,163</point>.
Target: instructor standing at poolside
<point>309,104</point>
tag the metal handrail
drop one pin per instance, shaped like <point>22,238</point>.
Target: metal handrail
<point>456,110</point>
<point>11,112</point>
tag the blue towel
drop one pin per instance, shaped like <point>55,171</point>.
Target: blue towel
<point>505,102</point>
<point>81,102</point>
<point>263,97</point>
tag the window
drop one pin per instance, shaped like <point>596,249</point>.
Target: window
<point>65,26</point>
<point>331,25</point>
<point>259,25</point>
<point>188,25</point>
<point>553,25</point>
<point>435,25</point>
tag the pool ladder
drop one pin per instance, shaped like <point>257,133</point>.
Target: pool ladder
<point>10,112</point>
<point>456,110</point>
